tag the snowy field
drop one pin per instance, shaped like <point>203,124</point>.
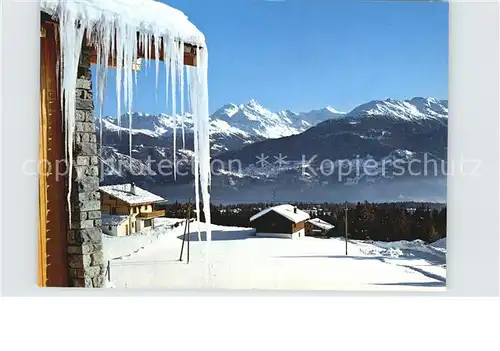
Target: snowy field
<point>242,261</point>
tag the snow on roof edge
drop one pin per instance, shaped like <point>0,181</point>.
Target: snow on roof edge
<point>147,16</point>
<point>321,223</point>
<point>123,193</point>
<point>285,211</point>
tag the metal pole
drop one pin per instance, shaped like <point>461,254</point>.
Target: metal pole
<point>346,228</point>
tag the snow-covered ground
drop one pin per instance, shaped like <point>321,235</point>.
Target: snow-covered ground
<point>125,246</point>
<point>242,261</point>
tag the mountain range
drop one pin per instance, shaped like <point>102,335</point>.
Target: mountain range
<point>297,147</point>
<point>231,126</point>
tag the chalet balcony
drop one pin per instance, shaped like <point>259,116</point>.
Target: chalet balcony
<point>152,214</point>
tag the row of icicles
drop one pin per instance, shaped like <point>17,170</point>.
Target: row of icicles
<point>126,45</point>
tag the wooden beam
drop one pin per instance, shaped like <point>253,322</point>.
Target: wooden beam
<point>189,55</point>
<point>189,50</point>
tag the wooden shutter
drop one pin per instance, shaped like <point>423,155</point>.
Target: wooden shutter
<point>53,216</point>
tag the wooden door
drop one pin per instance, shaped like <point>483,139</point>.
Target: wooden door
<point>53,215</point>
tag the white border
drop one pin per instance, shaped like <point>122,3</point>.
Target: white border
<point>473,260</point>
<point>267,324</point>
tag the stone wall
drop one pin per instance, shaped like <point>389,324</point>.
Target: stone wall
<point>86,265</point>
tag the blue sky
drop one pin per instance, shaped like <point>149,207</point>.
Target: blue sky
<point>302,55</point>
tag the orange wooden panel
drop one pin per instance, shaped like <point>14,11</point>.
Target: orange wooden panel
<point>53,217</point>
<point>42,189</point>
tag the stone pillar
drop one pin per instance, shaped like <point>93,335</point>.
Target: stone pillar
<point>86,265</point>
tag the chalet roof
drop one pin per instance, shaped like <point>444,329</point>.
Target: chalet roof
<point>123,192</point>
<point>321,224</point>
<point>113,220</point>
<point>286,211</point>
<point>146,16</point>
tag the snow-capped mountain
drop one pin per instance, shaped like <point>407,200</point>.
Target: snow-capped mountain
<point>390,133</point>
<point>246,120</point>
<point>231,127</point>
<point>158,130</point>
<point>159,125</point>
<point>255,119</point>
<point>317,116</point>
<point>389,145</point>
<point>417,108</point>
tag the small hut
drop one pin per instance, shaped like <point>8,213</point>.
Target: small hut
<point>75,34</point>
<point>281,221</point>
<point>317,227</point>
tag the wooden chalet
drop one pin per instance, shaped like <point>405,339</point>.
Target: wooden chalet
<point>284,221</point>
<point>132,202</point>
<point>317,227</point>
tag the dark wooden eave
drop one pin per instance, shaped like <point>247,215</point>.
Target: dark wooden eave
<point>189,54</point>
<point>189,50</point>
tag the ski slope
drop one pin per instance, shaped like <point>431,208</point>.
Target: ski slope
<point>242,261</point>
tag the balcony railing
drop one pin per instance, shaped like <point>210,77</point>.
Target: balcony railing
<point>153,214</point>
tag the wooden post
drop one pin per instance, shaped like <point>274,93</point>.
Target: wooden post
<point>108,269</point>
<point>346,228</point>
<point>188,231</point>
<point>183,240</point>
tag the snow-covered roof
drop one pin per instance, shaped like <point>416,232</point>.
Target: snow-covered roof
<point>286,211</point>
<point>113,220</point>
<point>124,193</point>
<point>321,224</point>
<point>146,16</point>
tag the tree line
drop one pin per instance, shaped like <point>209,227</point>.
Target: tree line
<point>365,221</point>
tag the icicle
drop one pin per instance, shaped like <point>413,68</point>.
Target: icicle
<point>166,60</point>
<point>146,46</point>
<point>130,56</point>
<point>198,95</point>
<point>135,78</point>
<point>157,60</point>
<point>99,80</point>
<point>143,48</point>
<point>192,92</point>
<point>181,82</point>
<point>125,73</point>
<point>115,36</point>
<point>88,36</point>
<point>188,79</point>
<point>58,72</point>
<point>140,44</point>
<point>71,33</point>
<point>173,68</point>
<point>204,141</point>
<point>104,44</point>
<point>147,52</point>
<point>61,75</point>
<point>119,65</point>
<point>101,109</point>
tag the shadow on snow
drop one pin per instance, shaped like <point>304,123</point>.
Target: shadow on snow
<point>359,258</point>
<point>218,235</point>
<point>440,281</point>
<point>422,284</point>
